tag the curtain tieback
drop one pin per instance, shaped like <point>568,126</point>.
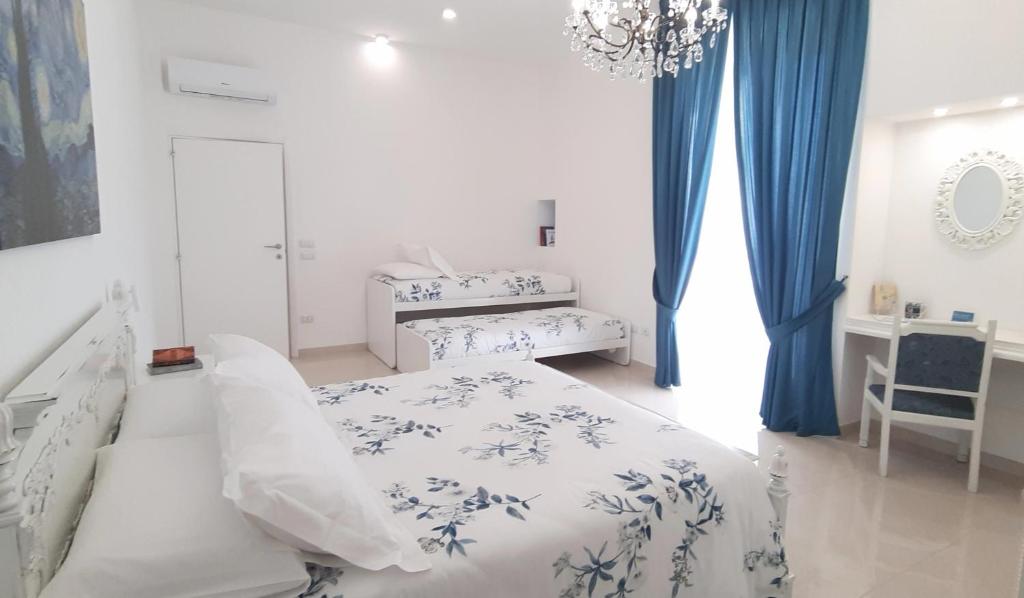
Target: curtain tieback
<point>789,327</point>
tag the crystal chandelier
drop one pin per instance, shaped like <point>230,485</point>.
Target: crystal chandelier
<point>629,38</point>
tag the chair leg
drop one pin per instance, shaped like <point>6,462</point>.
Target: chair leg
<point>883,456</point>
<point>975,464</point>
<point>865,423</point>
<point>964,448</point>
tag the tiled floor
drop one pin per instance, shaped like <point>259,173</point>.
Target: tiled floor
<point>917,533</point>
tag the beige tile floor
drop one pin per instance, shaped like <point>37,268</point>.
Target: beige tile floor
<point>851,533</point>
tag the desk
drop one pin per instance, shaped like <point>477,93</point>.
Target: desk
<point>1009,343</point>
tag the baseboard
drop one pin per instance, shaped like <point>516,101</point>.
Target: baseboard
<point>326,351</point>
<point>941,446</point>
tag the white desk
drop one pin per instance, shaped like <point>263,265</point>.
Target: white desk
<point>1009,343</point>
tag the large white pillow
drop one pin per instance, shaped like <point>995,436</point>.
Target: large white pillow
<point>173,407</point>
<point>428,256</point>
<point>284,466</point>
<point>251,360</point>
<point>407,271</point>
<point>157,526</point>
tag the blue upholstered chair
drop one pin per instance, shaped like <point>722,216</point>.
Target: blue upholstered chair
<point>937,375</point>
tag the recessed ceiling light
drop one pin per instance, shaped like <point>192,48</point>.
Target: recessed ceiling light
<point>381,40</point>
<point>940,112</point>
<point>1009,102</point>
<point>449,14</point>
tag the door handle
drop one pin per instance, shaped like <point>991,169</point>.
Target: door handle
<point>274,246</point>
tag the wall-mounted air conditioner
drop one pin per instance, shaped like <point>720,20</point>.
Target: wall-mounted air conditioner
<point>221,81</point>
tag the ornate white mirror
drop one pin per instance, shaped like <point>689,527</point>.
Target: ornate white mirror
<point>981,199</point>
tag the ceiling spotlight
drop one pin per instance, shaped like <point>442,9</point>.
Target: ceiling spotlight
<point>940,112</point>
<point>381,40</point>
<point>1009,102</point>
<point>448,14</point>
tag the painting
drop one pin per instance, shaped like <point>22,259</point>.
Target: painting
<point>48,187</point>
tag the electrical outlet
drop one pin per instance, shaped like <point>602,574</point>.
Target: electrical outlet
<point>306,319</point>
<point>642,331</point>
<point>307,255</point>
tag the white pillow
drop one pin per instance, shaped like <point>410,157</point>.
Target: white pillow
<point>174,407</point>
<point>284,466</point>
<point>251,360</point>
<point>428,256</point>
<point>407,271</point>
<point>157,526</point>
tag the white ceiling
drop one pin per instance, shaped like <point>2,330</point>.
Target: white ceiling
<point>923,53</point>
<point>525,28</point>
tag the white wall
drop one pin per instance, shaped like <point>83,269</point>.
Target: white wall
<point>47,291</point>
<point>897,240</point>
<point>438,147</point>
<point>927,53</point>
<point>599,164</point>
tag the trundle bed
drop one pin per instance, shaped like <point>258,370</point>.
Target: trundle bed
<point>390,302</point>
<point>449,342</point>
<point>514,477</point>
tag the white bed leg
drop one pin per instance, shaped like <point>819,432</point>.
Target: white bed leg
<point>11,583</point>
<point>778,494</point>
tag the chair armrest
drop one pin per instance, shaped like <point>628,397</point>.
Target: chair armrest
<point>874,364</point>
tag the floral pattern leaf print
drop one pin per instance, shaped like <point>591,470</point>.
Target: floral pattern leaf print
<point>525,285</point>
<point>530,435</point>
<point>461,391</point>
<point>454,509</point>
<point>320,579</point>
<point>770,558</point>
<point>420,292</point>
<point>681,493</point>
<point>335,394</point>
<point>384,429</point>
<point>510,386</point>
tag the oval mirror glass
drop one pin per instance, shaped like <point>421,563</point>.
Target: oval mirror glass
<point>978,199</point>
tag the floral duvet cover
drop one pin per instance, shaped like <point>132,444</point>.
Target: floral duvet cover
<point>468,336</point>
<point>479,285</point>
<point>521,481</point>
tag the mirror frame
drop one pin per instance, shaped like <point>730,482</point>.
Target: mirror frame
<point>1012,202</point>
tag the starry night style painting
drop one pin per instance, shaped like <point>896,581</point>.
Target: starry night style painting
<point>48,186</point>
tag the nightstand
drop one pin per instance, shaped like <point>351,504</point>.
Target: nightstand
<point>142,375</point>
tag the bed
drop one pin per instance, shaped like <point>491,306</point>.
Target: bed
<point>515,478</point>
<point>390,301</point>
<point>453,341</point>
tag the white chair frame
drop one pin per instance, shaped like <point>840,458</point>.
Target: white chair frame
<point>970,430</point>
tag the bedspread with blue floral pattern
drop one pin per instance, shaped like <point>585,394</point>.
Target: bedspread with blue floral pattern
<point>467,336</point>
<point>479,285</point>
<point>522,482</point>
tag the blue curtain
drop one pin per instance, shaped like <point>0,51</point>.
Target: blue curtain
<point>798,71</point>
<point>685,113</point>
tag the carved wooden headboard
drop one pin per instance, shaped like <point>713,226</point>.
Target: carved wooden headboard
<point>45,483</point>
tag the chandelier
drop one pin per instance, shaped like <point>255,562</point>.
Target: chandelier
<point>628,38</point>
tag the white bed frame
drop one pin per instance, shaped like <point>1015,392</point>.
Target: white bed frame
<point>383,313</point>
<point>415,352</point>
<point>45,484</point>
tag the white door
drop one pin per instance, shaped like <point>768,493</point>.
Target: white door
<point>231,240</point>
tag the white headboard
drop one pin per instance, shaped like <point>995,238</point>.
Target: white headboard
<point>43,490</point>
